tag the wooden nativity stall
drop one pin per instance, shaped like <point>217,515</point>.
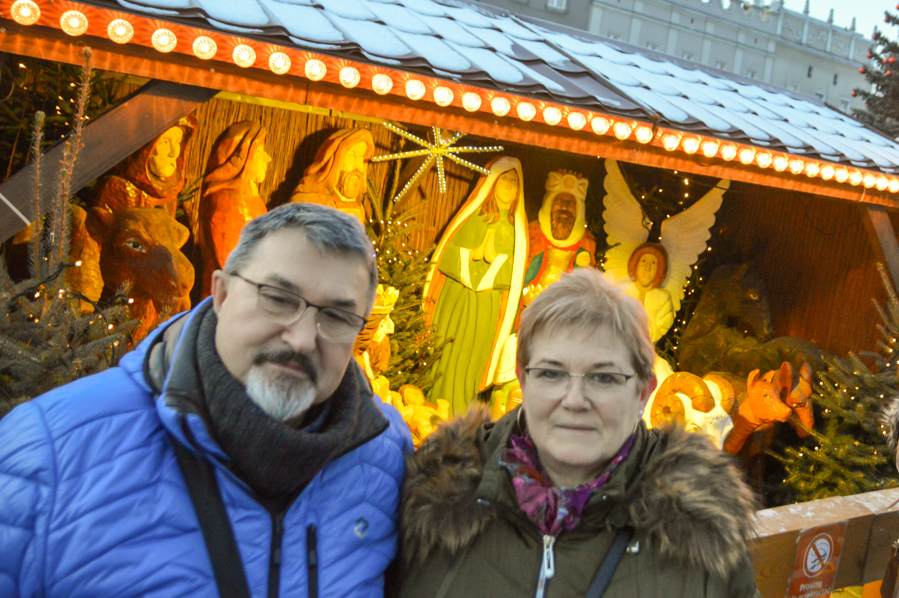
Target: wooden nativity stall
<point>510,149</point>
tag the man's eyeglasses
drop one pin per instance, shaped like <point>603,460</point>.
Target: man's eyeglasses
<point>555,383</point>
<point>334,324</point>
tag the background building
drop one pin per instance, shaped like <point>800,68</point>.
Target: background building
<point>764,42</point>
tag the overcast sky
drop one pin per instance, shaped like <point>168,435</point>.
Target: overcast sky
<point>868,13</point>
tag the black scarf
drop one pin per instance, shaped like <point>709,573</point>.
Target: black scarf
<point>276,460</point>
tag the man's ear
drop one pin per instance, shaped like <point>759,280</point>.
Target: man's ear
<point>219,289</point>
<point>648,389</point>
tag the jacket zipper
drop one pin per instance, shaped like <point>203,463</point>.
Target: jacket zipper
<point>274,566</point>
<point>312,560</point>
<point>547,567</point>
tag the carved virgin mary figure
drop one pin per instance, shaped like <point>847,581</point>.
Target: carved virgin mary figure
<point>475,283</point>
<point>230,196</point>
<point>151,177</point>
<point>338,177</point>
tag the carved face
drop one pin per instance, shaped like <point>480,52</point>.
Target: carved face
<point>258,164</point>
<point>351,182</point>
<point>164,159</point>
<point>647,267</point>
<point>506,189</point>
<point>563,215</point>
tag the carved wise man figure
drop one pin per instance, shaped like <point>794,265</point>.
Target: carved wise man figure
<point>338,177</point>
<point>558,240</point>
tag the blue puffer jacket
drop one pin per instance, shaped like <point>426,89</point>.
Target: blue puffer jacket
<point>94,505</point>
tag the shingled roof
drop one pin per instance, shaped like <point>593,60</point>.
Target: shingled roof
<point>492,49</point>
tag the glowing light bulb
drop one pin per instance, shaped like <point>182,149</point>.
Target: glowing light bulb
<point>728,151</point>
<point>600,125</point>
<point>797,166</point>
<point>882,183</point>
<point>25,12</point>
<point>526,111</point>
<point>500,106</point>
<point>204,47</point>
<point>120,31</point>
<point>710,149</point>
<point>73,22</point>
<point>443,96</point>
<point>643,134</point>
<point>471,101</point>
<point>164,40</point>
<point>349,77</point>
<point>781,163</point>
<point>869,180</point>
<point>577,120</point>
<point>812,169</point>
<point>827,172</point>
<point>855,178</point>
<point>622,130</point>
<point>690,145</point>
<point>415,89</point>
<point>315,69</point>
<point>893,187</point>
<point>842,175</point>
<point>381,84</point>
<point>670,142</point>
<point>243,56</point>
<point>279,63</point>
<point>552,115</point>
<point>764,159</point>
<point>746,155</point>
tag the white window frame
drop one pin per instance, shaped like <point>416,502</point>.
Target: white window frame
<point>560,5</point>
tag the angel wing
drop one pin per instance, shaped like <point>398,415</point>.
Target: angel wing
<point>686,235</point>
<point>624,225</point>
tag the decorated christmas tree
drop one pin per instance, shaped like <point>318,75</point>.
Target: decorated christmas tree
<point>847,453</point>
<point>46,338</point>
<point>882,98</point>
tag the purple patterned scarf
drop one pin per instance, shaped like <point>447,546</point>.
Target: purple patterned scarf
<point>549,507</point>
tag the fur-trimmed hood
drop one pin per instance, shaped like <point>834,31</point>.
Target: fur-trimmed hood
<point>677,490</point>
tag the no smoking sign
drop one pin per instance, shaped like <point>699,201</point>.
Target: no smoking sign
<point>817,561</point>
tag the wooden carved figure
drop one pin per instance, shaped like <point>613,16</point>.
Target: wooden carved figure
<point>85,278</point>
<point>655,273</point>
<point>372,347</point>
<point>230,196</point>
<point>153,176</point>
<point>761,406</point>
<point>474,286</point>
<point>558,240</point>
<point>338,177</point>
<point>141,246</point>
<point>700,405</point>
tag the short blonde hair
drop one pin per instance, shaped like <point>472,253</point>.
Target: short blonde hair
<point>584,300</point>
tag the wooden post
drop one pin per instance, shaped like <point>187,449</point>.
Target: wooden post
<point>108,139</point>
<point>883,238</point>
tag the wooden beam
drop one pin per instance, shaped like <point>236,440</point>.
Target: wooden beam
<point>883,238</point>
<point>108,139</point>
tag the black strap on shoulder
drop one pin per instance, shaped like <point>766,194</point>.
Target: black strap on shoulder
<point>217,532</point>
<point>610,562</point>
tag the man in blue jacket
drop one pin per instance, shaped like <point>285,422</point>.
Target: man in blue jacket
<point>238,451</point>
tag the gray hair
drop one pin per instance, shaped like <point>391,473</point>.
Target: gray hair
<point>329,230</point>
<point>584,300</point>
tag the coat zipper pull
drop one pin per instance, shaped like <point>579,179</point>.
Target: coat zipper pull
<point>547,567</point>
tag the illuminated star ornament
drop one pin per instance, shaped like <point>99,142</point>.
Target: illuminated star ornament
<point>436,152</point>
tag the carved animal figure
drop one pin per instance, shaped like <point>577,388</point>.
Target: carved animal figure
<point>761,405</point>
<point>731,327</point>
<point>142,246</point>
<point>701,405</point>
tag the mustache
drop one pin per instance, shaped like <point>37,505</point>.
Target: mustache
<point>289,358</point>
<point>562,216</point>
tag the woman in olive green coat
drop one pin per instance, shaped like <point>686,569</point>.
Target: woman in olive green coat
<point>532,504</point>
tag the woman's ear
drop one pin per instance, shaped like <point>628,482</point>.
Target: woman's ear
<point>520,374</point>
<point>648,389</point>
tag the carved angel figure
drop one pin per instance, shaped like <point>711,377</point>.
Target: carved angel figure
<point>656,273</point>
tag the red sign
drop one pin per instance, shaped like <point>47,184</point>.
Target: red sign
<point>817,561</point>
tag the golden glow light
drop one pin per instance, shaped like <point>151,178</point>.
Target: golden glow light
<point>25,12</point>
<point>670,142</point>
<point>728,151</point>
<point>855,178</point>
<point>120,31</point>
<point>709,148</point>
<point>279,63</point>
<point>893,186</point>
<point>381,84</point>
<point>577,120</point>
<point>315,69</point>
<point>204,48</point>
<point>764,159</point>
<point>164,40</point>
<point>552,115</point>
<point>471,101</point>
<point>73,22</point>
<point>644,134</point>
<point>827,172</point>
<point>869,180</point>
<point>244,56</point>
<point>600,125</point>
<point>882,183</point>
<point>842,175</point>
<point>746,155</point>
<point>690,144</point>
<point>781,163</point>
<point>622,130</point>
<point>812,169</point>
<point>349,77</point>
<point>443,96</point>
<point>797,166</point>
<point>526,111</point>
<point>415,89</point>
<point>500,106</point>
